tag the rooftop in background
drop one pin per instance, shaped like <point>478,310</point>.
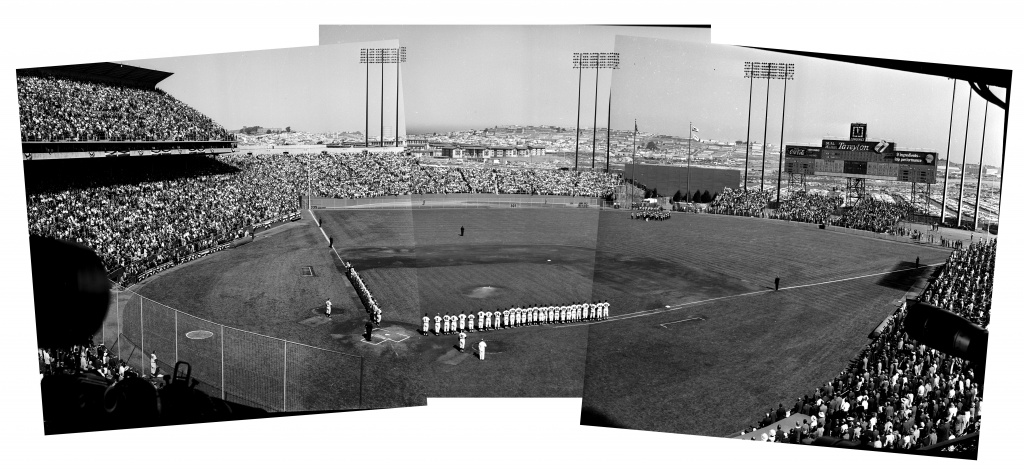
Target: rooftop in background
<point>128,75</point>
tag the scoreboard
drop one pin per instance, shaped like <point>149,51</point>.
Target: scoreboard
<point>878,160</point>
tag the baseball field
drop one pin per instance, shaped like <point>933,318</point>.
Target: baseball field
<point>729,346</point>
<point>736,345</point>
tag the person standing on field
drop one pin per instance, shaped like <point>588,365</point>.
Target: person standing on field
<point>462,341</point>
<point>426,325</point>
<point>482,347</point>
<point>437,324</point>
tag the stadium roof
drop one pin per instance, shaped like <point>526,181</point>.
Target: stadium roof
<point>104,71</point>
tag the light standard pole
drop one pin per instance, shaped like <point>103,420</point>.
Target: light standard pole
<point>981,167</point>
<point>949,140</point>
<point>787,75</point>
<point>764,141</point>
<point>963,166</point>
<point>748,71</point>
<point>366,56</point>
<point>399,60</point>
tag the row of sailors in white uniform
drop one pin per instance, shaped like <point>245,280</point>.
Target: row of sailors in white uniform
<point>515,317</point>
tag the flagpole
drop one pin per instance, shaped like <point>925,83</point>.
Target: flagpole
<point>688,161</point>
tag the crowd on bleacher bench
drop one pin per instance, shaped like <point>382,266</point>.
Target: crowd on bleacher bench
<point>741,202</point>
<point>875,215</point>
<point>900,394</point>
<point>63,109</point>
<point>805,207</point>
<point>964,285</point>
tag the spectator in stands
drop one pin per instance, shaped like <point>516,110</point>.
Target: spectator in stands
<point>64,109</point>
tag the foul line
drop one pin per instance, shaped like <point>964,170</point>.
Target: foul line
<point>644,313</point>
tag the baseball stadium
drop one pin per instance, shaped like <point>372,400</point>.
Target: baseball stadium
<point>311,281</point>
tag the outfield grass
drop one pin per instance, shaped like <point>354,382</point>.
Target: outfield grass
<point>416,262</point>
<point>745,354</point>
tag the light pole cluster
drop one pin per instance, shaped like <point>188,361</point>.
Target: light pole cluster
<point>596,61</point>
<point>382,55</point>
<point>768,71</point>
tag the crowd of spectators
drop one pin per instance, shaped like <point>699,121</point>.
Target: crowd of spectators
<point>900,394</point>
<point>743,202</point>
<point>84,358</point>
<point>875,215</point>
<point>806,207</point>
<point>142,221</point>
<point>964,285</point>
<point>63,109</point>
<point>143,224</point>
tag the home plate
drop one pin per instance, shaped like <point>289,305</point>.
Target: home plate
<point>377,339</point>
<point>315,321</point>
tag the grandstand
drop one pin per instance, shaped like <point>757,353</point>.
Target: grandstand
<point>108,109</point>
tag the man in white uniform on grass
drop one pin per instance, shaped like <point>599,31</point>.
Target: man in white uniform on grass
<point>543,315</point>
<point>482,347</point>
<point>462,321</point>
<point>497,320</point>
<point>462,341</point>
<point>505,317</point>
<point>426,325</point>
<point>470,321</point>
<point>437,324</point>
<point>447,324</point>
<point>328,307</point>
<point>482,318</point>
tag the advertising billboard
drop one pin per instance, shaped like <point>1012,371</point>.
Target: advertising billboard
<point>916,157</point>
<point>880,147</point>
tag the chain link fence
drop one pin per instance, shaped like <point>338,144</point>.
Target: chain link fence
<point>233,364</point>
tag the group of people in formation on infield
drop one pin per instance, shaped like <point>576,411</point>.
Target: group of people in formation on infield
<point>515,317</point>
<point>650,214</point>
<point>364,295</point>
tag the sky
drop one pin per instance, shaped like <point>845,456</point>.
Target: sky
<point>314,89</point>
<point>471,77</point>
<point>665,84</point>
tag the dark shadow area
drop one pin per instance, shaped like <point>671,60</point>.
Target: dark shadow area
<point>903,275</point>
<point>44,176</point>
<point>591,417</point>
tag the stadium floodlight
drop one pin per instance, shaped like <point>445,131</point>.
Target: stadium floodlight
<point>377,55</point>
<point>596,61</point>
<point>767,71</point>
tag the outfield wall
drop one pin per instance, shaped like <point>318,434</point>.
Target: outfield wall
<point>435,201</point>
<point>669,179</point>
